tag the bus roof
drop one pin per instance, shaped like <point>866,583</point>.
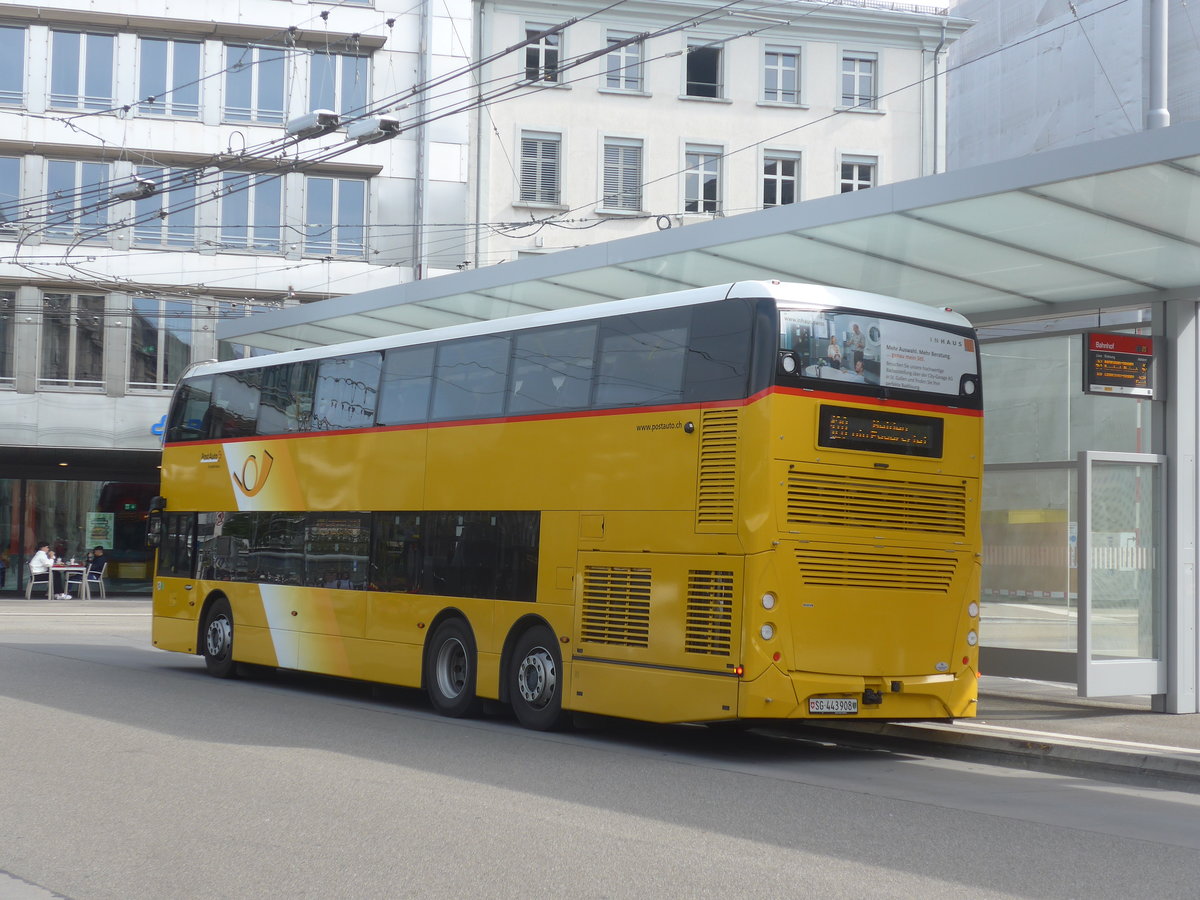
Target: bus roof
<point>789,293</point>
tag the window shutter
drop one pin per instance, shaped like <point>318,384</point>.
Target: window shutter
<point>539,170</point>
<point>622,176</point>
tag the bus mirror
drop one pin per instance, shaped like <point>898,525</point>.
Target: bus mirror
<point>154,529</point>
<point>158,504</point>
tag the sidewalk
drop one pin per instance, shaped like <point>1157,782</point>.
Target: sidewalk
<point>1029,723</point>
<point>1045,725</point>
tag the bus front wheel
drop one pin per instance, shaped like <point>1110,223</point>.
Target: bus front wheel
<point>217,643</point>
<point>450,669</point>
<point>535,680</point>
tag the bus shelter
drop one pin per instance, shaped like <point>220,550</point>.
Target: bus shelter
<point>1081,269</point>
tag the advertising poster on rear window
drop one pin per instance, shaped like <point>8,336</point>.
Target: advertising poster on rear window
<point>857,348</point>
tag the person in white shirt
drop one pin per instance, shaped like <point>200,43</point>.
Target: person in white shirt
<point>41,563</point>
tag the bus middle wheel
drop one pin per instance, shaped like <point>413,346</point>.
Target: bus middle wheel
<point>535,680</point>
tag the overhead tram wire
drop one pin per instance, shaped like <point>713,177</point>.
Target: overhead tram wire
<point>225,163</point>
<point>284,165</point>
<point>282,144</point>
<point>838,112</point>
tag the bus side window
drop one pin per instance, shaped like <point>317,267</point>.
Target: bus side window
<point>719,350</point>
<point>346,392</point>
<point>188,411</point>
<point>470,378</point>
<point>407,381</point>
<point>552,369</point>
<point>234,409</point>
<point>176,556</point>
<point>395,551</point>
<point>287,398</point>
<point>642,358</point>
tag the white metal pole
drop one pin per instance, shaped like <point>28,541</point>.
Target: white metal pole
<point>1158,116</point>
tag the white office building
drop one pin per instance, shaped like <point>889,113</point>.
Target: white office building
<point>160,171</point>
<point>653,115</point>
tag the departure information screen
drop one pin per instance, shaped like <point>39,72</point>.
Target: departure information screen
<point>843,428</point>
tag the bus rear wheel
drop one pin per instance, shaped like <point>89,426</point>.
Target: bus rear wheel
<point>535,680</point>
<point>217,640</point>
<point>450,669</point>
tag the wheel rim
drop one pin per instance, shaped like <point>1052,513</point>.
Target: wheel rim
<point>218,637</point>
<point>451,668</point>
<point>537,677</point>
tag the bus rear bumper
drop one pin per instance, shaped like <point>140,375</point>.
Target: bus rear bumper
<point>810,695</point>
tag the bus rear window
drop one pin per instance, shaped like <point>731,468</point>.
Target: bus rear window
<point>867,353</point>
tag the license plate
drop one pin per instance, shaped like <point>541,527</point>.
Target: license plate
<point>838,706</point>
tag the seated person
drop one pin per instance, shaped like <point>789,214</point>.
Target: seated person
<point>96,561</point>
<point>41,563</point>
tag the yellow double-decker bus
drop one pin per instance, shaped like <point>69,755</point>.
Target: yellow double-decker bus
<point>751,501</point>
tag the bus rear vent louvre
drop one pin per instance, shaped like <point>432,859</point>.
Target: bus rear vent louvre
<point>861,502</point>
<point>879,570</point>
<point>716,489</point>
<point>616,606</point>
<point>709,626</point>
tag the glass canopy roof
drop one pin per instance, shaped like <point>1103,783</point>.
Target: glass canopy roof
<point>1100,225</point>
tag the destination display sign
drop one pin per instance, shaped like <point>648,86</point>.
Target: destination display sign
<point>845,428</point>
<point>1121,364</point>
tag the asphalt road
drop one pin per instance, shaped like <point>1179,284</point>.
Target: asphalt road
<point>128,773</point>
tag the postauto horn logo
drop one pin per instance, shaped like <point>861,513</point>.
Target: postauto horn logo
<point>254,474</point>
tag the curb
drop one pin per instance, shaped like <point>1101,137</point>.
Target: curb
<point>1049,749</point>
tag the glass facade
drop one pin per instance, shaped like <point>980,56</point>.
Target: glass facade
<point>73,517</point>
<point>1038,420</point>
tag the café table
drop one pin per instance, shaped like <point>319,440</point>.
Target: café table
<point>66,571</point>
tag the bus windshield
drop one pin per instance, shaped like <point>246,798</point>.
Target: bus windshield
<point>873,354</point>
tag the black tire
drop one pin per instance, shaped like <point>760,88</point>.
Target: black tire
<point>450,668</point>
<point>535,680</point>
<point>216,640</point>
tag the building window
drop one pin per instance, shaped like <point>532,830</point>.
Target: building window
<point>623,66</point>
<point>169,78</point>
<point>781,178</point>
<point>10,195</point>
<point>251,211</point>
<point>339,82</point>
<point>8,302</point>
<point>255,84</point>
<point>12,66</point>
<point>622,174</point>
<point>703,69</point>
<point>72,345</point>
<point>858,79</point>
<point>781,75</point>
<point>335,217</point>
<point>161,342</point>
<point>541,57</point>
<point>702,180</point>
<point>540,170</point>
<point>858,172</point>
<point>167,218</point>
<point>77,199</point>
<point>81,70</point>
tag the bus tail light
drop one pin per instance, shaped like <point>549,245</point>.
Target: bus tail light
<point>767,631</point>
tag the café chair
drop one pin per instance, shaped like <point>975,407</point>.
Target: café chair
<point>87,582</point>
<point>43,580</point>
